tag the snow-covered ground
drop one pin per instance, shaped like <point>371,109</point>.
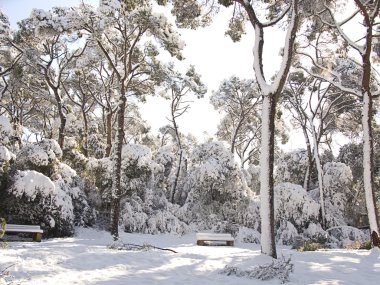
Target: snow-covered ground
<point>85,259</point>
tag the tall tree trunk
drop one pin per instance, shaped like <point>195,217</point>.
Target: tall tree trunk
<point>62,117</point>
<point>116,185</point>
<point>236,131</point>
<point>268,242</point>
<point>320,186</point>
<point>306,184</point>
<point>85,135</point>
<point>320,178</point>
<point>369,21</point>
<point>109,131</point>
<point>179,144</point>
<point>368,166</point>
<point>177,175</point>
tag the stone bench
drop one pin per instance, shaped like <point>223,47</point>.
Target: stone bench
<point>202,238</point>
<point>36,230</point>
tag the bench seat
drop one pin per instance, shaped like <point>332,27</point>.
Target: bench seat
<point>12,228</point>
<point>212,237</point>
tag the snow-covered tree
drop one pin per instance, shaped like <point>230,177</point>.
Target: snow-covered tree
<point>117,29</point>
<point>42,190</point>
<point>291,167</point>
<point>214,186</point>
<point>6,156</point>
<point>339,196</point>
<point>195,13</point>
<point>180,87</point>
<point>315,106</point>
<point>295,210</point>
<point>241,126</point>
<point>47,36</point>
<point>10,52</point>
<point>351,70</point>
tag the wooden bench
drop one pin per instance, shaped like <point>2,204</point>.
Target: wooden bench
<point>12,228</point>
<point>202,238</point>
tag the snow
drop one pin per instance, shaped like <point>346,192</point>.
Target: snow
<point>32,183</point>
<point>86,259</point>
<point>5,130</point>
<point>5,154</point>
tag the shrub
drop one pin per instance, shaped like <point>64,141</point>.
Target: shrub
<point>367,245</point>
<point>345,235</point>
<point>35,199</point>
<point>293,204</point>
<point>311,246</point>
<point>315,233</point>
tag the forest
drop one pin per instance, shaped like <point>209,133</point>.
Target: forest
<point>76,152</point>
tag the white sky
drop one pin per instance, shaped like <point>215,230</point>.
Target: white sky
<point>213,54</point>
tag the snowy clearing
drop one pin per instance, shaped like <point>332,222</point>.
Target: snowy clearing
<point>85,259</point>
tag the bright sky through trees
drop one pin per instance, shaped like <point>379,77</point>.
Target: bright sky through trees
<point>213,54</point>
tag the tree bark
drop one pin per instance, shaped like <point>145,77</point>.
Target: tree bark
<point>174,108</point>
<point>368,165</point>
<point>320,178</point>
<point>62,118</point>
<point>85,135</point>
<point>116,187</point>
<point>306,184</point>
<point>268,241</point>
<point>177,175</point>
<point>109,132</point>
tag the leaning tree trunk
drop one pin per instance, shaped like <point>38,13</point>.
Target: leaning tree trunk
<point>62,118</point>
<point>116,185</point>
<point>268,242</point>
<point>178,138</point>
<point>178,172</point>
<point>309,169</point>
<point>368,167</point>
<point>320,177</point>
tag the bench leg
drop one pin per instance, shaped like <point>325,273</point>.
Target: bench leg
<point>200,242</point>
<point>37,237</point>
<point>230,243</point>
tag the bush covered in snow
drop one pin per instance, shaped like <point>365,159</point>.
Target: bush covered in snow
<point>215,187</point>
<point>35,199</point>
<point>73,185</point>
<point>5,131</point>
<point>137,169</point>
<point>291,167</point>
<point>293,204</point>
<point>287,234</point>
<point>6,158</point>
<point>42,190</point>
<point>73,156</point>
<point>339,197</point>
<point>42,156</point>
<point>343,236</point>
<point>252,176</point>
<point>315,233</point>
<point>248,235</point>
<point>151,214</point>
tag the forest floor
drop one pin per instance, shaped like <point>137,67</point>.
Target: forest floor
<point>86,259</point>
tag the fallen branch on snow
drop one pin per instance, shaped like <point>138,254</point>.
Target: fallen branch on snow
<point>280,269</point>
<point>5,274</point>
<point>119,245</point>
